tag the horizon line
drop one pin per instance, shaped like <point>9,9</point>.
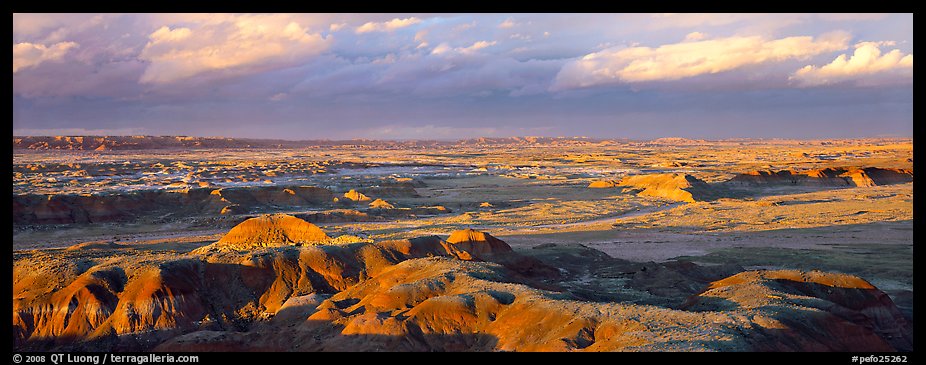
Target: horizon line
<point>888,136</point>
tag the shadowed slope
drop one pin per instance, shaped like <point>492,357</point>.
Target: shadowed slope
<point>811,311</point>
<point>835,176</point>
<point>469,293</point>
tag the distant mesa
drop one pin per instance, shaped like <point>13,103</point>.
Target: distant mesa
<point>679,187</point>
<point>274,230</point>
<point>381,204</point>
<point>676,141</point>
<point>833,176</point>
<point>485,205</point>
<point>475,244</point>
<point>356,196</point>
<point>123,143</point>
<point>602,184</point>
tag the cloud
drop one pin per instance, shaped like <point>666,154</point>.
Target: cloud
<point>27,54</point>
<point>429,131</point>
<point>165,34</point>
<point>695,36</point>
<point>116,79</point>
<point>420,37</point>
<point>508,23</point>
<point>80,131</point>
<point>239,45</point>
<point>478,45</point>
<point>867,66</point>
<point>387,26</point>
<point>443,48</point>
<point>464,26</point>
<point>37,25</point>
<point>687,59</point>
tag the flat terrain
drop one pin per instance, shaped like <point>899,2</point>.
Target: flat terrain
<point>722,207</point>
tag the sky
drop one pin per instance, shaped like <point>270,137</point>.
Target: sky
<point>452,76</point>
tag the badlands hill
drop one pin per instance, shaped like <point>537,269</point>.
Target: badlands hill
<point>835,176</point>
<point>679,187</point>
<point>471,292</point>
<point>271,231</point>
<point>95,208</point>
<point>602,184</point>
<point>687,188</point>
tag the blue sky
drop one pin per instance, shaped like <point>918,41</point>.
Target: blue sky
<point>449,76</point>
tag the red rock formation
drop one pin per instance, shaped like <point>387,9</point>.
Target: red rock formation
<point>356,196</point>
<point>471,244</point>
<point>64,209</point>
<point>811,311</point>
<point>419,295</point>
<point>602,184</point>
<point>838,176</point>
<point>271,231</point>
<point>679,187</point>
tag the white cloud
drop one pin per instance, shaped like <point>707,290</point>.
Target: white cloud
<point>443,48</point>
<point>237,45</point>
<point>336,27</point>
<point>165,34</point>
<point>867,66</point>
<point>479,45</point>
<point>27,54</point>
<point>387,26</point>
<point>695,36</point>
<point>464,26</point>
<point>688,59</point>
<point>420,37</point>
<point>508,23</point>
<point>850,16</point>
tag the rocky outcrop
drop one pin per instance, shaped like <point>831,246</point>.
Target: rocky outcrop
<point>471,292</point>
<point>67,209</point>
<point>354,195</point>
<point>381,204</point>
<point>249,274</point>
<point>274,230</point>
<point>678,187</point>
<point>602,184</point>
<point>474,244</point>
<point>810,311</point>
<point>836,177</point>
<point>440,304</point>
